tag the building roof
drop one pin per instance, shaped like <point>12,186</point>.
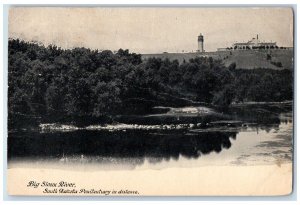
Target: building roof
<point>254,41</point>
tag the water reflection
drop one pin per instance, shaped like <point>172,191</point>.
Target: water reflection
<point>161,145</point>
<point>180,137</point>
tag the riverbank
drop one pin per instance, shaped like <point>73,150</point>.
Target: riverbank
<point>287,102</point>
<point>262,180</point>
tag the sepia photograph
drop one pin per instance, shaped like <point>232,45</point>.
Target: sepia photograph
<point>150,101</point>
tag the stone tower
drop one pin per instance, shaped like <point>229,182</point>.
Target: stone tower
<point>200,43</point>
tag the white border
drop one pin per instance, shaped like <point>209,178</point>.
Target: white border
<point>140,3</point>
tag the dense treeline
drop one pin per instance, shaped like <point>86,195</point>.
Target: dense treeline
<point>89,84</point>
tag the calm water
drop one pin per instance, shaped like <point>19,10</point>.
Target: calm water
<point>190,137</point>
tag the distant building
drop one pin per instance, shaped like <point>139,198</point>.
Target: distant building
<point>200,43</point>
<point>253,44</point>
<point>223,49</point>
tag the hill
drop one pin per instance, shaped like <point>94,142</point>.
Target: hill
<point>245,59</point>
<point>83,86</point>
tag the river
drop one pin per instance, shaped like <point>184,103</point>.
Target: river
<point>169,137</point>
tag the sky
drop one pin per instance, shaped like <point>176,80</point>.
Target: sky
<point>150,30</point>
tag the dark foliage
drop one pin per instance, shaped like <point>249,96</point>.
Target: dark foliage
<point>83,85</point>
<point>278,64</point>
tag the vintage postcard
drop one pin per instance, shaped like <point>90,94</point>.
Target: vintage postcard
<point>120,101</point>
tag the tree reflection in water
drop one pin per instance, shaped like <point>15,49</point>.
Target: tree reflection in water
<point>96,145</point>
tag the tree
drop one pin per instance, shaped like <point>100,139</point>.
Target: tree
<point>87,84</point>
<point>232,66</point>
<point>106,98</point>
